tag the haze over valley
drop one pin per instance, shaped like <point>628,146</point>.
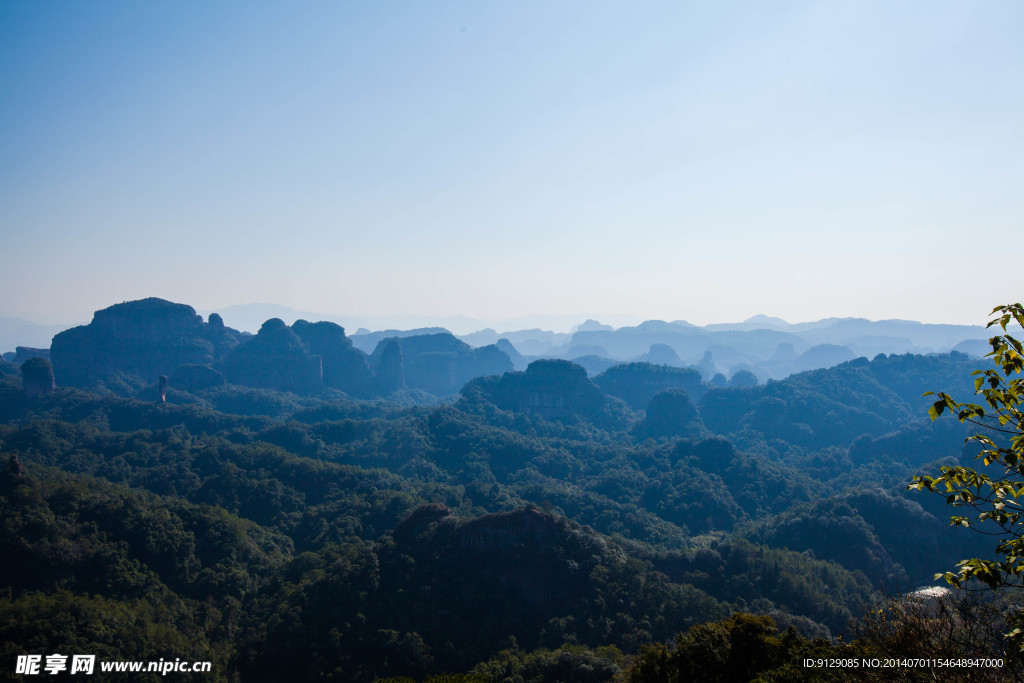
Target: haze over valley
<point>606,342</point>
<point>769,348</point>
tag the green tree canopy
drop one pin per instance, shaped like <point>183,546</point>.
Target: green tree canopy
<point>994,491</point>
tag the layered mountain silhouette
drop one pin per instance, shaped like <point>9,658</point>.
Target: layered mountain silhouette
<point>150,338</point>
<point>131,345</point>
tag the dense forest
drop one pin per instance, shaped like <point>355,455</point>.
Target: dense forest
<point>290,507</point>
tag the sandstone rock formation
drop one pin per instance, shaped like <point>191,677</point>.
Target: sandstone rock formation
<point>223,338</point>
<point>439,363</point>
<point>390,368</point>
<point>23,353</point>
<point>637,383</point>
<point>146,338</point>
<point>37,377</point>
<point>553,389</point>
<point>276,358</point>
<point>367,341</point>
<point>519,361</point>
<point>344,366</point>
<point>504,530</point>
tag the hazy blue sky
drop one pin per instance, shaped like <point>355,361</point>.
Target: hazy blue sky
<point>702,161</point>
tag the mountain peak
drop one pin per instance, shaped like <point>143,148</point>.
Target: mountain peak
<point>591,325</point>
<point>760,318</point>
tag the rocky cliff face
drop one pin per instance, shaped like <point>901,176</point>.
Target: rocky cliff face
<point>37,377</point>
<point>223,338</point>
<point>439,363</point>
<point>147,338</point>
<point>390,367</point>
<point>484,361</point>
<point>637,383</point>
<point>436,372</point>
<point>554,389</point>
<point>152,338</point>
<point>503,531</point>
<point>276,358</point>
<point>23,353</point>
<point>344,366</point>
<point>519,361</point>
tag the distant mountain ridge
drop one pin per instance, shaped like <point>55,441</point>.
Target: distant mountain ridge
<point>129,347</point>
<point>16,332</point>
<point>768,347</point>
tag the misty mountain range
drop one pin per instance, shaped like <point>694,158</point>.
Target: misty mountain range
<point>16,332</point>
<point>768,347</point>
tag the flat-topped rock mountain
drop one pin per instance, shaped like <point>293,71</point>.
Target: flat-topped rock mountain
<point>153,338</point>
<point>133,344</point>
<point>276,358</point>
<point>637,383</point>
<point>369,341</point>
<point>304,359</point>
<point>147,338</point>
<point>439,364</point>
<point>23,353</point>
<point>344,366</point>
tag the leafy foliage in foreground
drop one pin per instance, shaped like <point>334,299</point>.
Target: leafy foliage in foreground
<point>994,492</point>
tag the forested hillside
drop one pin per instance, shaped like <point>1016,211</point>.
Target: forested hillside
<point>540,524</point>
